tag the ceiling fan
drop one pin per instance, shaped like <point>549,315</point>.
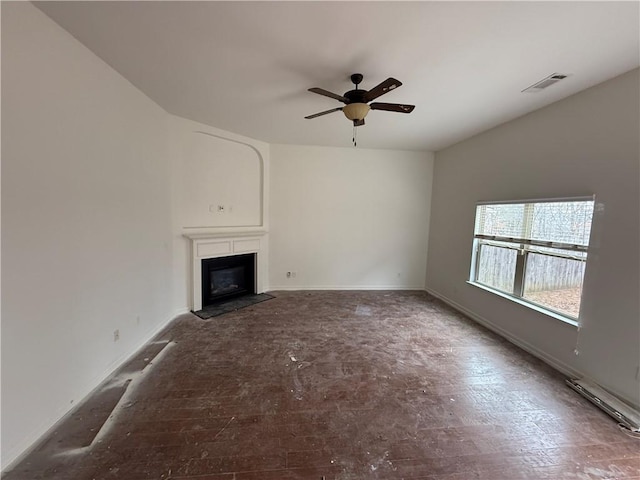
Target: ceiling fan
<point>357,101</point>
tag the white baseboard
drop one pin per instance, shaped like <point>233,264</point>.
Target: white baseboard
<point>34,438</point>
<point>550,360</point>
<point>344,287</point>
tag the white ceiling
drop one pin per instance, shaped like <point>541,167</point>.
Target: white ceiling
<point>246,66</point>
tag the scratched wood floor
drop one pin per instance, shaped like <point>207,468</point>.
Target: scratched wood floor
<point>334,385</point>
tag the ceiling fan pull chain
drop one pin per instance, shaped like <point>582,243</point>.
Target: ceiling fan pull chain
<point>355,135</point>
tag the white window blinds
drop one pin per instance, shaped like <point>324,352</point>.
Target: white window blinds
<point>559,224</point>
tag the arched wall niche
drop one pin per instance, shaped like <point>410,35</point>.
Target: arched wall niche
<point>223,183</point>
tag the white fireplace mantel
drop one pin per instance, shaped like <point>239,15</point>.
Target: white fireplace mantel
<point>224,243</point>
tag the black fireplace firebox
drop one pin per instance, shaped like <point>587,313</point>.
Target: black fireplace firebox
<point>227,277</point>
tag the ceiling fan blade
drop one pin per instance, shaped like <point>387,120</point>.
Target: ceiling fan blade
<point>386,86</point>
<point>326,93</point>
<point>358,123</point>
<point>323,113</point>
<point>392,107</point>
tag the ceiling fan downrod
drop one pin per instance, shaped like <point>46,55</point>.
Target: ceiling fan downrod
<point>356,79</point>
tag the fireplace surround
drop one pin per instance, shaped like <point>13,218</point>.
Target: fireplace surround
<point>226,244</point>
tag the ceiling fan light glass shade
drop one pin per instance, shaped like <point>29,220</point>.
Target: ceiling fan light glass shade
<point>355,111</point>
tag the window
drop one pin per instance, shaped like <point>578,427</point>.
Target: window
<point>535,251</point>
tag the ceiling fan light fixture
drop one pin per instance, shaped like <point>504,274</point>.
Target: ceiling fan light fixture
<point>356,111</point>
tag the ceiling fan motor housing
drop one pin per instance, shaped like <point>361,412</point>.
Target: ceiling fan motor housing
<point>356,96</point>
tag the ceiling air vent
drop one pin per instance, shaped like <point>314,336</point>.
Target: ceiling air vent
<point>545,82</point>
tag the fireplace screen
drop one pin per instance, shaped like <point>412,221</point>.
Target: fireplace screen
<point>227,277</point>
<point>227,280</point>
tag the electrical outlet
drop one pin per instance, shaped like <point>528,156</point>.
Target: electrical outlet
<point>293,274</point>
<point>220,208</point>
<point>116,335</point>
<point>288,274</point>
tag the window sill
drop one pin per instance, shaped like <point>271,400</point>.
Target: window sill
<point>524,303</point>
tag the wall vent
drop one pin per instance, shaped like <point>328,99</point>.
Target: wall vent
<point>623,413</point>
<point>545,82</point>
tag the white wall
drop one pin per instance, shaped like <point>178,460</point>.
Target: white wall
<point>212,167</point>
<point>348,217</point>
<point>585,144</point>
<point>219,172</point>
<point>86,222</point>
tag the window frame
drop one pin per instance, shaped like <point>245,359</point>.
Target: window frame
<point>524,248</point>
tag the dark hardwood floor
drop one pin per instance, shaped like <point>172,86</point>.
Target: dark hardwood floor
<point>334,385</point>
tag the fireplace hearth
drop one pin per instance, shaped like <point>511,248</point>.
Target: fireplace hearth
<point>224,278</point>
